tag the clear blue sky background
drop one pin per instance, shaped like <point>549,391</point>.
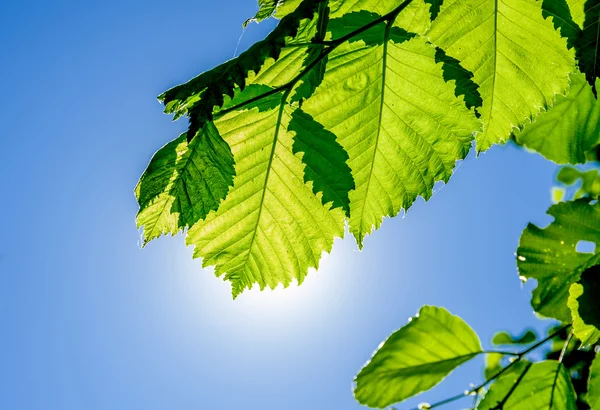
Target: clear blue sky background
<point>91,321</point>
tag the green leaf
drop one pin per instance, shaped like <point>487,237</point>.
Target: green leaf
<point>519,61</point>
<point>593,396</point>
<point>416,358</point>
<point>588,44</point>
<point>183,183</point>
<point>577,8</point>
<point>584,297</point>
<point>526,386</point>
<point>549,255</point>
<point>505,338</point>
<point>271,227</point>
<point>588,181</point>
<point>566,133</point>
<point>385,98</point>
<point>568,175</point>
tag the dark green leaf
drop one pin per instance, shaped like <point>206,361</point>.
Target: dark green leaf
<point>588,45</point>
<point>550,256</point>
<point>184,182</point>
<point>560,13</point>
<point>584,302</point>
<point>198,97</point>
<point>416,358</point>
<point>505,338</point>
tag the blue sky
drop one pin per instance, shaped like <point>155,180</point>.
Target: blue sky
<point>91,321</point>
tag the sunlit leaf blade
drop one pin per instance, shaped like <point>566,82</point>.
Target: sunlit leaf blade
<point>519,61</point>
<point>588,45</point>
<point>539,386</point>
<point>416,358</point>
<point>505,338</point>
<point>271,228</point>
<point>577,8</point>
<point>584,302</point>
<point>391,110</point>
<point>325,160</point>
<point>183,183</point>
<point>567,132</point>
<point>549,255</point>
<point>593,396</point>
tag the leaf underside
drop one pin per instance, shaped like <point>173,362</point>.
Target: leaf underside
<point>518,59</point>
<point>416,358</point>
<point>347,111</point>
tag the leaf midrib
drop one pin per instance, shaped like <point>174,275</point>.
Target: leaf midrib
<point>269,165</point>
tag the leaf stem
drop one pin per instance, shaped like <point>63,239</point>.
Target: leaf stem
<point>500,352</point>
<point>565,347</point>
<point>476,389</point>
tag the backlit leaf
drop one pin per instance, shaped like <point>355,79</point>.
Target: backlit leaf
<point>183,183</point>
<point>416,358</point>
<point>518,59</point>
<point>272,228</point>
<point>400,122</point>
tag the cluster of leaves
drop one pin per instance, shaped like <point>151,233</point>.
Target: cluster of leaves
<point>568,289</point>
<point>434,342</point>
<point>348,112</point>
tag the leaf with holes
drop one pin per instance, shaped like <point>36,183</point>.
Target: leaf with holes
<point>550,256</point>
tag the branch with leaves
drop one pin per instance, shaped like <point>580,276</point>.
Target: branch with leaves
<point>345,114</point>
